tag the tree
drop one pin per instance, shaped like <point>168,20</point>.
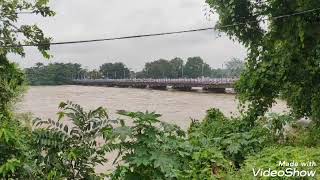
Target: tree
<point>283,57</point>
<point>13,34</point>
<point>176,67</point>
<point>94,74</point>
<point>115,70</point>
<point>39,64</point>
<point>71,152</point>
<point>234,67</point>
<point>158,69</point>
<point>218,73</point>
<point>15,159</point>
<point>53,73</point>
<point>196,67</point>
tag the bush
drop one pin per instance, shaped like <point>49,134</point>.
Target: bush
<point>230,136</point>
<point>148,149</point>
<point>207,163</point>
<point>12,81</point>
<point>14,139</point>
<point>71,152</point>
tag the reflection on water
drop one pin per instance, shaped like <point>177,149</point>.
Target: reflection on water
<point>175,106</point>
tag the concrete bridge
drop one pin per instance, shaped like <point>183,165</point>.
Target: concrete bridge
<point>213,85</point>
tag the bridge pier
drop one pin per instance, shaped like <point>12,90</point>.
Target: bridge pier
<point>122,86</point>
<point>214,90</point>
<point>210,85</point>
<point>182,88</point>
<point>139,86</point>
<point>158,87</point>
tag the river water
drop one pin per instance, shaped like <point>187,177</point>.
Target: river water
<point>175,106</point>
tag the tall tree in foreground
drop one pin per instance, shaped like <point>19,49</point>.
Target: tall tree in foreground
<point>14,34</point>
<point>15,160</point>
<point>283,52</point>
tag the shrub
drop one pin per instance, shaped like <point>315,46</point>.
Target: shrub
<point>71,152</point>
<point>14,139</point>
<point>148,149</point>
<point>229,135</point>
<point>12,81</point>
<point>207,163</point>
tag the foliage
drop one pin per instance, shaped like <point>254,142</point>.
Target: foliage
<point>231,136</point>
<point>218,73</point>
<point>278,126</point>
<point>94,74</point>
<point>114,70</point>
<point>270,158</point>
<point>176,67</point>
<point>11,83</point>
<point>63,73</point>
<point>71,151</point>
<point>14,34</point>
<point>13,153</point>
<point>304,136</point>
<point>196,67</point>
<point>283,58</point>
<point>16,152</point>
<point>207,163</point>
<point>53,73</point>
<point>158,69</point>
<point>234,67</point>
<point>147,151</point>
<point>283,53</point>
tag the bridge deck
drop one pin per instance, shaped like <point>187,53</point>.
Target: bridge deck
<point>205,83</point>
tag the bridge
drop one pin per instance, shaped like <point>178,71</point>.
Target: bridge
<point>213,85</point>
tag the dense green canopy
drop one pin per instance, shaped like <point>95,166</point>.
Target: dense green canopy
<point>283,52</point>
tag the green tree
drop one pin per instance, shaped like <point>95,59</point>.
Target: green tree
<point>176,67</point>
<point>149,149</point>
<point>115,70</point>
<point>234,67</point>
<point>195,67</point>
<point>15,161</point>
<point>13,34</point>
<point>53,73</point>
<point>158,69</point>
<point>71,152</point>
<point>94,74</point>
<point>283,57</point>
<point>218,73</point>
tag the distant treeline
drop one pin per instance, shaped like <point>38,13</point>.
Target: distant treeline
<point>63,73</point>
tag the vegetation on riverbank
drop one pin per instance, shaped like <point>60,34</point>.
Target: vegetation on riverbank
<point>63,73</point>
<point>52,74</point>
<point>283,59</point>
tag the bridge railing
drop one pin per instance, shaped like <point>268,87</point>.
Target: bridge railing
<point>165,81</point>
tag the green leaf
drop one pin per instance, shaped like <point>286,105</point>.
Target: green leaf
<point>122,132</point>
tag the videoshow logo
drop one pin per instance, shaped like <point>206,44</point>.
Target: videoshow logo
<point>290,170</point>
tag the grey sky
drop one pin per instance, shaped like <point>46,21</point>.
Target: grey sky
<point>84,19</point>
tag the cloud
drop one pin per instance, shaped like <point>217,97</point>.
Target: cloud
<point>83,19</point>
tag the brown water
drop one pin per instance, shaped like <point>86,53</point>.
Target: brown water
<point>175,106</point>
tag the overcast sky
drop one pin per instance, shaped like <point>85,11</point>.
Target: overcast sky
<point>90,19</point>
